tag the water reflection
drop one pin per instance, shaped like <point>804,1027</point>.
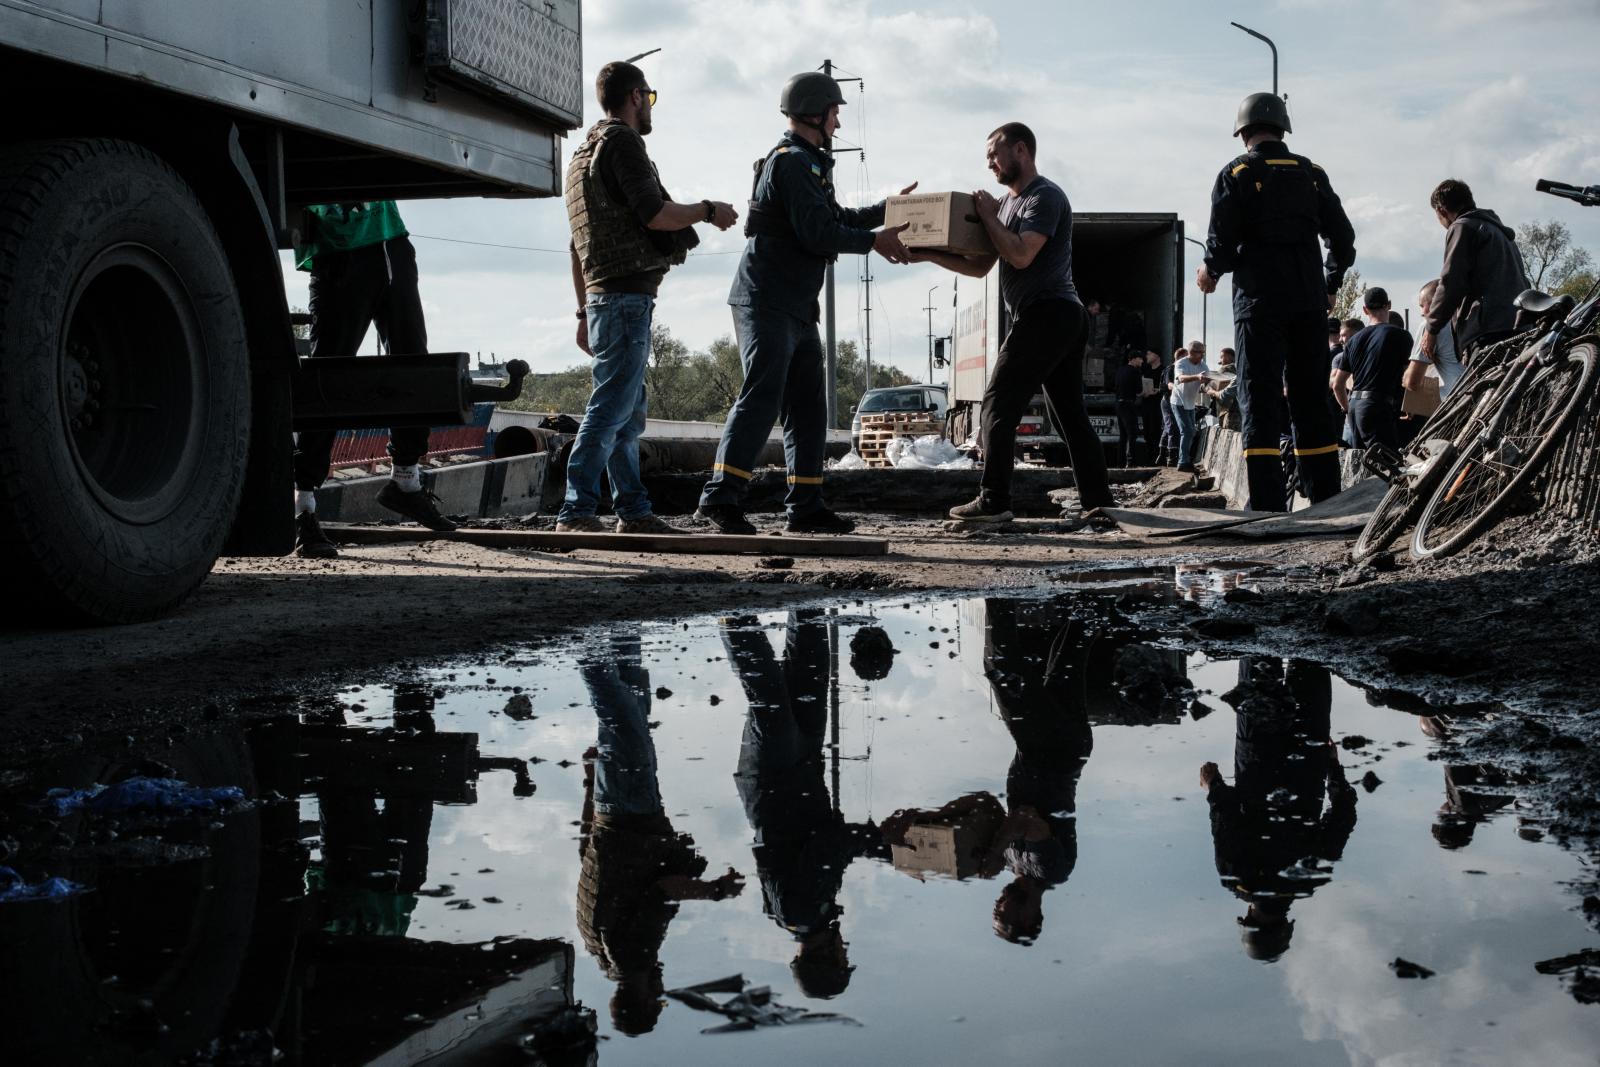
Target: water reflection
<point>1289,811</point>
<point>411,899</point>
<point>635,867</point>
<point>803,844</point>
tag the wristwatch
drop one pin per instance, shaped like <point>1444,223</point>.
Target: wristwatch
<point>711,210</point>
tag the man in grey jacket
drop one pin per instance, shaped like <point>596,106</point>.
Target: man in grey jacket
<point>1482,273</point>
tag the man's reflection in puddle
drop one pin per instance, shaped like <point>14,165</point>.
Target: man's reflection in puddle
<point>803,844</point>
<point>635,867</point>
<point>1039,677</point>
<point>374,860</point>
<point>1273,837</point>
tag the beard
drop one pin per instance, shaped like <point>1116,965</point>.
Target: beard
<point>1008,174</point>
<point>644,125</point>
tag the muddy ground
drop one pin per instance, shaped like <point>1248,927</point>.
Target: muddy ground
<point>1512,622</point>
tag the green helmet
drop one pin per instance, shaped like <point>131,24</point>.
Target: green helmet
<point>1262,109</point>
<point>811,93</point>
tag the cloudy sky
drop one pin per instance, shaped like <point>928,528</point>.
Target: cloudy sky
<point>1132,104</point>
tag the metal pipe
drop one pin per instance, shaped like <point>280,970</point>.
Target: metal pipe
<point>1205,301</point>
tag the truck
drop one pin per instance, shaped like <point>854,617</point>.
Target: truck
<point>156,158</point>
<point>1131,264</point>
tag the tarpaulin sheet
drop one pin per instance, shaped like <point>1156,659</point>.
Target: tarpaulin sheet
<point>1345,513</point>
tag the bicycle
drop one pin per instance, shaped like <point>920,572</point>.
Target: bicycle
<point>1513,432</point>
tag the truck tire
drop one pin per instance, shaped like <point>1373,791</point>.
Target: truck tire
<point>124,383</point>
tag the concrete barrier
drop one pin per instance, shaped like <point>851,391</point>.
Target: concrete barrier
<point>481,490</point>
<point>1222,457</point>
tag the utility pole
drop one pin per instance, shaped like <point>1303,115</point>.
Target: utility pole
<point>929,309</point>
<point>1269,44</point>
<point>866,277</point>
<point>1205,302</point>
<point>831,340</point>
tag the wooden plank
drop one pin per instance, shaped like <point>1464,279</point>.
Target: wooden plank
<point>685,544</point>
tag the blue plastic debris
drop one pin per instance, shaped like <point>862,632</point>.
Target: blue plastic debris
<point>14,888</point>
<point>169,795</point>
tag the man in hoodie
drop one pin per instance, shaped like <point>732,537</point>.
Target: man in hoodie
<point>1482,274</point>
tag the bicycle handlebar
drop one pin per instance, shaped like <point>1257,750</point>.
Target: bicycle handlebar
<point>1588,197</point>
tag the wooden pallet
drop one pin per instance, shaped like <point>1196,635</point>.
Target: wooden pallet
<point>878,429</point>
<point>688,544</point>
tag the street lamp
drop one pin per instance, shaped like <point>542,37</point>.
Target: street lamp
<point>1205,299</point>
<point>929,309</point>
<point>1269,44</point>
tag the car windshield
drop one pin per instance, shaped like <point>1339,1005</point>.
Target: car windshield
<point>896,400</point>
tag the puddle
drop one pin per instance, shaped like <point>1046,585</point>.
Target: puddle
<point>1024,832</point>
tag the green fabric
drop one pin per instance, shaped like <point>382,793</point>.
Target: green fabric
<point>346,227</point>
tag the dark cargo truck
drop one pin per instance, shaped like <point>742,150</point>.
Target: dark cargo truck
<point>155,158</point>
<point>1132,264</point>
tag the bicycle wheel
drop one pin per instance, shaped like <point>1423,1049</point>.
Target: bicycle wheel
<point>1488,476</point>
<point>1429,456</point>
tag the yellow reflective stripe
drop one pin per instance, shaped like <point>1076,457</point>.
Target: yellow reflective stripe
<point>724,468</point>
<point>1283,162</point>
<point>1323,451</point>
<point>795,479</point>
<point>1251,453</point>
<point>1235,171</point>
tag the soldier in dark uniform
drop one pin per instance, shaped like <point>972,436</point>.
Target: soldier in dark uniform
<point>803,845</point>
<point>795,228</point>
<point>1268,208</point>
<point>1273,835</point>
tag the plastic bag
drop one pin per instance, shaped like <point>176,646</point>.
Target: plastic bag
<point>142,794</point>
<point>927,453</point>
<point>850,461</point>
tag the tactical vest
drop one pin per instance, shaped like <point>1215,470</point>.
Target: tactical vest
<point>1279,193</point>
<point>767,217</point>
<point>608,237</point>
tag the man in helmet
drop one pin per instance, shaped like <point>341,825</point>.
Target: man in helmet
<point>1268,208</point>
<point>795,228</point>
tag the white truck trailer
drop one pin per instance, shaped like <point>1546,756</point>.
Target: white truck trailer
<point>156,156</point>
<point>1132,263</point>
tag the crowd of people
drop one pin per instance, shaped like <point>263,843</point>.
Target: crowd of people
<point>1270,207</point>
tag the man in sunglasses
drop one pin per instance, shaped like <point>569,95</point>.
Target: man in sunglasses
<point>627,232</point>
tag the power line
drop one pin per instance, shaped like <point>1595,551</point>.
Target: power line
<point>531,248</point>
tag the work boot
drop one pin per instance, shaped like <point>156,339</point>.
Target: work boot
<point>309,540</point>
<point>420,507</point>
<point>647,524</point>
<point>581,524</point>
<point>726,518</point>
<point>979,509</point>
<point>821,521</point>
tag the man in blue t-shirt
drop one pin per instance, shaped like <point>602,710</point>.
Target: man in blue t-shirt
<point>1031,229</point>
<point>1374,363</point>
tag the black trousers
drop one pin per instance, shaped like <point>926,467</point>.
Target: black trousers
<point>1279,353</point>
<point>1376,419</point>
<point>1044,349</point>
<point>372,286</point>
<point>1150,409</point>
<point>1128,428</point>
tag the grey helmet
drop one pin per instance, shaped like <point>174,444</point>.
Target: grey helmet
<point>811,93</point>
<point>1262,109</point>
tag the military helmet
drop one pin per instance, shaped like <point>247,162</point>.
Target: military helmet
<point>1262,109</point>
<point>811,93</point>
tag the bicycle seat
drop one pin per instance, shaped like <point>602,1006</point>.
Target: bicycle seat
<point>1542,305</point>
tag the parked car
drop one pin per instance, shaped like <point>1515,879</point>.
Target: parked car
<point>932,400</point>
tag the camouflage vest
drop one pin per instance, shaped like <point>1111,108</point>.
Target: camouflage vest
<point>607,235</point>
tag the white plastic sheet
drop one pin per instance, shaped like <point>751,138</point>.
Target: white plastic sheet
<point>850,461</point>
<point>927,453</point>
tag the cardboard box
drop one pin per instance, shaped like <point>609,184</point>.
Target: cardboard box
<point>944,222</point>
<point>1424,401</point>
<point>949,849</point>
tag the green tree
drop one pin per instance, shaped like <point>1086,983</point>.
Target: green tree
<point>1550,255</point>
<point>667,376</point>
<point>1347,301</point>
<point>560,391</point>
<point>852,379</point>
<point>1576,285</point>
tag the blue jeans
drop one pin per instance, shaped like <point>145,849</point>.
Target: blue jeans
<point>625,777</point>
<point>1184,417</point>
<point>608,437</point>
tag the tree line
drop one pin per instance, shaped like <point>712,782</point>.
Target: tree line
<point>694,386</point>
